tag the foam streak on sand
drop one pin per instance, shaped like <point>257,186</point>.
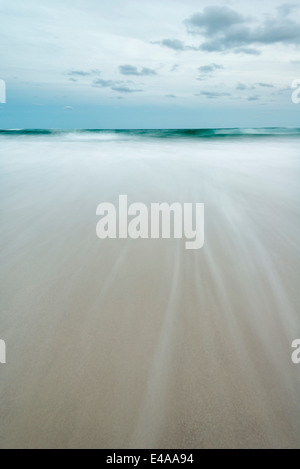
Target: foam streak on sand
<point>123,343</point>
<point>151,415</point>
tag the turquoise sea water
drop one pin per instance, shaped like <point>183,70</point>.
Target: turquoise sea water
<point>165,133</point>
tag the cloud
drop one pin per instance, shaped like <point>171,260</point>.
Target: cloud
<point>125,89</point>
<point>210,68</point>
<point>73,79</point>
<point>120,86</point>
<point>131,70</point>
<point>254,98</point>
<point>170,96</point>
<point>241,87</point>
<point>226,30</point>
<point>103,83</point>
<point>212,95</point>
<point>213,20</point>
<point>83,73</point>
<point>175,44</point>
<point>284,90</point>
<point>246,50</point>
<point>68,108</point>
<point>174,68</point>
<point>147,71</point>
<point>265,85</point>
<point>286,9</point>
<point>207,70</point>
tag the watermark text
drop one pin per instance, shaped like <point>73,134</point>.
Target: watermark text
<point>296,93</point>
<point>2,352</point>
<point>296,353</point>
<point>161,220</point>
<point>2,92</point>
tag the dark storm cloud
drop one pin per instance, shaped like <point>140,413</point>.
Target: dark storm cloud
<point>131,70</point>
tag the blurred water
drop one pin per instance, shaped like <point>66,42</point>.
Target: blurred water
<point>141,343</point>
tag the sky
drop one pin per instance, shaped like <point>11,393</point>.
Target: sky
<point>159,64</point>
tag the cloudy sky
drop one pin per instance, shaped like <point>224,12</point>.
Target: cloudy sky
<point>138,64</point>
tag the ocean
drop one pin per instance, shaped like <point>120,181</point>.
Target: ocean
<point>140,343</point>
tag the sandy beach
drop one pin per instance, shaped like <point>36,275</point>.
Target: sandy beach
<point>124,343</point>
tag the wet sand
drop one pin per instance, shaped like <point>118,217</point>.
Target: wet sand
<point>142,343</point>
